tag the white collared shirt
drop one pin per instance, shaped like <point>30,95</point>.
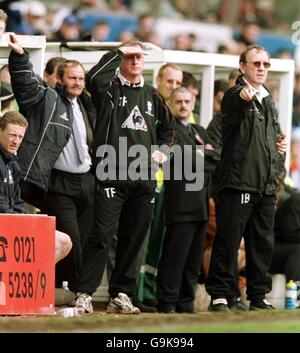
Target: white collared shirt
<point>260,92</point>
<point>124,81</point>
<point>184,122</point>
<point>68,159</point>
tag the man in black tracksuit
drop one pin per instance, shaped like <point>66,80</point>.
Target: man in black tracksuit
<point>251,161</point>
<point>54,178</point>
<point>186,211</point>
<point>13,126</point>
<point>12,130</point>
<point>132,117</point>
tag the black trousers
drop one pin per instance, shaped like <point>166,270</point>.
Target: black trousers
<point>122,209</point>
<point>250,215</point>
<point>32,194</point>
<point>70,199</point>
<point>180,265</point>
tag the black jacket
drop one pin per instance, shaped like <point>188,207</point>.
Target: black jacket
<point>138,114</point>
<point>49,116</point>
<point>182,205</point>
<point>250,130</point>
<point>287,220</point>
<point>10,201</point>
<point>214,132</point>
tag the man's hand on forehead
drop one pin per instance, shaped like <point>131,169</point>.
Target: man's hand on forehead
<point>129,50</point>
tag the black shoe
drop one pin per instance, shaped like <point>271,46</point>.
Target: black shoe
<point>260,304</point>
<point>186,311</point>
<point>166,309</point>
<point>144,308</point>
<point>235,304</point>
<point>219,304</point>
<point>150,302</point>
<point>186,308</point>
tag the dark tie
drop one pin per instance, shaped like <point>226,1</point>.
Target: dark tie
<point>77,137</point>
<point>194,133</point>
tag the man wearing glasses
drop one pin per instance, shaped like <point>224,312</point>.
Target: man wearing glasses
<point>252,158</point>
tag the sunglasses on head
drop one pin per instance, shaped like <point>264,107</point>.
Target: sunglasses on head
<point>257,64</point>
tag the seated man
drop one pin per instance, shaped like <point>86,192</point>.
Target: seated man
<point>286,252</point>
<point>12,130</point>
<point>63,245</point>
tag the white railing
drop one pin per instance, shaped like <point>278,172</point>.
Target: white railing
<point>36,46</point>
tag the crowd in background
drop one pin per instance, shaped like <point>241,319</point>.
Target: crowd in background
<point>102,20</point>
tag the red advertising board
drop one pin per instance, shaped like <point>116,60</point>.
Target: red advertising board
<point>27,245</point>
